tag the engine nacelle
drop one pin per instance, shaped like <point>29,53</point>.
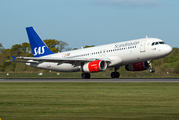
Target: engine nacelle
<point>138,66</point>
<point>94,66</point>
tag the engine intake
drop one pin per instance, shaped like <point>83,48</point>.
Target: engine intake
<point>95,66</point>
<point>138,66</point>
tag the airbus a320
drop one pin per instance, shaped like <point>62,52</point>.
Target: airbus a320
<point>135,55</point>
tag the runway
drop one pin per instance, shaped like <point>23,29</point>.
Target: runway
<point>176,80</point>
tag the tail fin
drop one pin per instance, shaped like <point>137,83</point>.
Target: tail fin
<point>38,47</point>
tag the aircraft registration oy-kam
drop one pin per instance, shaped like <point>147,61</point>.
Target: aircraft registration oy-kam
<point>135,55</point>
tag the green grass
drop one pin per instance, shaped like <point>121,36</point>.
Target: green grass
<point>89,101</point>
<point>104,74</point>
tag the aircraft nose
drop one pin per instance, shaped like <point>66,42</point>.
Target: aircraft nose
<point>168,49</point>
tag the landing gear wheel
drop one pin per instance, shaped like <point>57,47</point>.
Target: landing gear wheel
<point>152,70</point>
<point>115,75</point>
<point>85,75</point>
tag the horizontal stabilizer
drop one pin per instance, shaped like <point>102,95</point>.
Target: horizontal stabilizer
<point>13,58</point>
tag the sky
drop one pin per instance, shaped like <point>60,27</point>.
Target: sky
<point>89,22</point>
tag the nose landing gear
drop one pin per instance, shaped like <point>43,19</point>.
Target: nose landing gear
<point>151,70</point>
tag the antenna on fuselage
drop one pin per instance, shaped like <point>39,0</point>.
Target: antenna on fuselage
<point>146,36</point>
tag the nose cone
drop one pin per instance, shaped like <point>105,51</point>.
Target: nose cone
<point>168,50</point>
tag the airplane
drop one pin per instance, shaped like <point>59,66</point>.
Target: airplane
<point>135,55</point>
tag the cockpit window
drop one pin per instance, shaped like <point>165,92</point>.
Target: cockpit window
<point>156,43</point>
<point>161,43</point>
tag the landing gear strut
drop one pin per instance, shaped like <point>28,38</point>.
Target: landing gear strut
<point>115,74</point>
<point>85,75</point>
<point>151,70</point>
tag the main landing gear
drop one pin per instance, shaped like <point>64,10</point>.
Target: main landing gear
<point>115,74</point>
<point>85,75</point>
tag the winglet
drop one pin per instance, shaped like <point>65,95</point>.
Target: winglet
<point>13,58</point>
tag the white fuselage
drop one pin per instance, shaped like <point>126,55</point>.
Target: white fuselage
<point>119,54</point>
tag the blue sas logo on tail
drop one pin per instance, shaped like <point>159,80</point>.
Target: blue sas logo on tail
<point>39,50</point>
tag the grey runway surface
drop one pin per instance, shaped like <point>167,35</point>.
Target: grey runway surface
<point>91,80</point>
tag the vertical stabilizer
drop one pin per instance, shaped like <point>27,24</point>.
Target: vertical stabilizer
<point>38,47</point>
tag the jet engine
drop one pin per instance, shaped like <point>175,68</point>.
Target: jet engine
<point>138,66</point>
<point>95,66</point>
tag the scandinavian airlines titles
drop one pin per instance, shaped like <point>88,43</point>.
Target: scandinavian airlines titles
<point>127,44</point>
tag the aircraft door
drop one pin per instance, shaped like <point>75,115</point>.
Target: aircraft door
<point>142,46</point>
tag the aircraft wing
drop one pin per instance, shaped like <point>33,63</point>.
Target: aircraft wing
<point>22,61</point>
<point>55,59</point>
